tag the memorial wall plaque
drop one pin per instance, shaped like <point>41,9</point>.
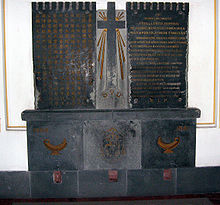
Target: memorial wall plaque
<point>157,53</point>
<point>111,60</point>
<point>64,54</point>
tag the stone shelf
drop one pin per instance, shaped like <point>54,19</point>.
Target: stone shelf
<point>110,114</point>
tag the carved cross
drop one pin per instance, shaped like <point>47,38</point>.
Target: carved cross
<point>111,24</point>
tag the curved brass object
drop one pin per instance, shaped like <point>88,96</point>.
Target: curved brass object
<point>55,148</point>
<point>168,146</point>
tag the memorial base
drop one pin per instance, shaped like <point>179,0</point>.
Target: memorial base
<point>90,184</point>
<point>110,139</point>
<point>110,153</point>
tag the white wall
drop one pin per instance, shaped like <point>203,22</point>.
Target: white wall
<point>13,144</point>
<point>13,148</point>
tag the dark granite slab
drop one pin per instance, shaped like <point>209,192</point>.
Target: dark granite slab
<point>109,114</point>
<point>198,180</point>
<point>97,184</point>
<point>60,115</point>
<point>112,144</point>
<point>157,53</point>
<point>152,114</point>
<point>42,185</point>
<point>158,133</point>
<point>150,182</point>
<point>64,54</point>
<point>43,136</point>
<point>14,185</point>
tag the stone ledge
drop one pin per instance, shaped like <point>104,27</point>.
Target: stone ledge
<point>109,114</point>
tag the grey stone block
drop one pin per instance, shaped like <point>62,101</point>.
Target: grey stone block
<point>42,185</point>
<point>110,114</point>
<point>43,135</point>
<point>14,185</point>
<point>97,184</point>
<point>198,180</point>
<point>112,144</point>
<point>150,182</point>
<point>179,132</point>
<point>159,113</point>
<point>67,115</point>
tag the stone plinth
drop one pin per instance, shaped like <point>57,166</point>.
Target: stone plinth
<point>111,139</point>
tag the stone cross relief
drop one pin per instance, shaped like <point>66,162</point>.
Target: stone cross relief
<point>111,59</point>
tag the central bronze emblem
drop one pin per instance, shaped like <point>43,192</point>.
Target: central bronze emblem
<point>113,145</point>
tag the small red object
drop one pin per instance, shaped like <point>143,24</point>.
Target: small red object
<point>57,177</point>
<point>113,175</point>
<point>167,174</point>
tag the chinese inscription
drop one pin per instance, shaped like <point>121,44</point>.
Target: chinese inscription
<point>64,56</point>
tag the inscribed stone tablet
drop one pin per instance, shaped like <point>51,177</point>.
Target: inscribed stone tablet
<point>157,52</point>
<point>64,54</point>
